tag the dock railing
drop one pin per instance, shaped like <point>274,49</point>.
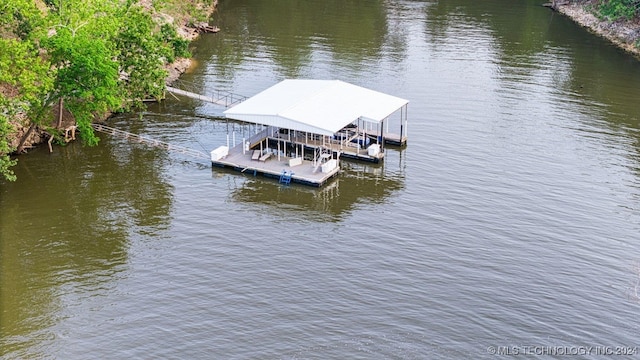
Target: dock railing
<point>218,97</point>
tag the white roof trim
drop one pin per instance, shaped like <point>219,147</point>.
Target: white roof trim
<point>315,106</point>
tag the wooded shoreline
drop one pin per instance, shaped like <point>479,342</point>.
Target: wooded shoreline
<point>25,135</point>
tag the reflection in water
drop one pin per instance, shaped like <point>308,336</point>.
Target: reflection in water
<point>291,41</point>
<point>580,83</point>
<point>68,234</point>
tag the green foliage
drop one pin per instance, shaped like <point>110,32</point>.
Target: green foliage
<point>619,9</point>
<point>29,79</point>
<point>19,17</point>
<point>178,46</point>
<point>29,74</point>
<point>141,55</point>
<point>100,56</point>
<point>5,161</point>
<point>87,75</point>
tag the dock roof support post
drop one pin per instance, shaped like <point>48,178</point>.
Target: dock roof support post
<point>401,124</point>
<point>330,146</point>
<point>382,137</point>
<point>364,136</point>
<point>406,119</point>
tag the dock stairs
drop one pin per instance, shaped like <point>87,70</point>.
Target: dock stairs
<point>320,156</point>
<point>285,177</point>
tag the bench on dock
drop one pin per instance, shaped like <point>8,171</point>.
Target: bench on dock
<point>255,155</point>
<point>265,157</point>
<point>295,162</point>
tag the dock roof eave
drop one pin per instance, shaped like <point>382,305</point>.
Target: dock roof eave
<point>316,106</point>
<point>282,122</point>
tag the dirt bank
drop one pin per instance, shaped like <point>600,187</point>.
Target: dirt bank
<point>623,33</point>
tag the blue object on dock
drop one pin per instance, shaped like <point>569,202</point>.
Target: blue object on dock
<point>285,177</point>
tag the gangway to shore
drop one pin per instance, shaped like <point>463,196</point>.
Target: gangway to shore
<point>222,98</point>
<point>149,141</point>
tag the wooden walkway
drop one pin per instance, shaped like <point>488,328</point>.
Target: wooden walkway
<point>148,141</point>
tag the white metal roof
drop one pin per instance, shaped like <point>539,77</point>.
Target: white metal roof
<point>316,106</point>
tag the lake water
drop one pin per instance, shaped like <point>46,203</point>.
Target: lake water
<point>509,224</point>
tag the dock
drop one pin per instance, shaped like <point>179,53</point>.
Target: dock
<point>273,162</point>
<point>307,127</point>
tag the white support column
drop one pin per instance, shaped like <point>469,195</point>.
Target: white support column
<point>406,120</point>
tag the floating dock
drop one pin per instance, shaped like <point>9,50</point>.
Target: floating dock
<point>273,163</point>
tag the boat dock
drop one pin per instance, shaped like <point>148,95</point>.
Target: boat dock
<point>303,167</point>
<point>307,127</point>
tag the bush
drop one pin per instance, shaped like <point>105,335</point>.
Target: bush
<point>619,9</point>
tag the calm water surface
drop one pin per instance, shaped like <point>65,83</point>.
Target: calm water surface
<point>511,219</point>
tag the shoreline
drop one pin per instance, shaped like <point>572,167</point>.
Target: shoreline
<point>625,34</point>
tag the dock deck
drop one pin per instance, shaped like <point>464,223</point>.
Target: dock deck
<point>273,166</point>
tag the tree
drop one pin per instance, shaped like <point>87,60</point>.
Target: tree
<point>99,56</point>
<point>140,56</point>
<point>109,56</point>
<point>18,17</point>
<point>87,77</point>
<point>5,129</point>
<point>27,80</point>
<point>78,42</point>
